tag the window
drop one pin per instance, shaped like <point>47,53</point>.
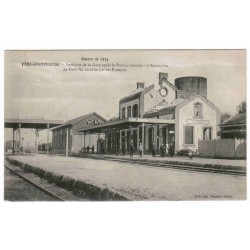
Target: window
<point>197,110</point>
<point>135,110</point>
<point>123,113</point>
<point>189,134</point>
<point>129,111</point>
<point>207,133</point>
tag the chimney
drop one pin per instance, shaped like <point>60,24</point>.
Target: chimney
<point>140,85</point>
<point>163,75</point>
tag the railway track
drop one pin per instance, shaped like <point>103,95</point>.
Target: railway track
<point>44,190</point>
<point>166,165</point>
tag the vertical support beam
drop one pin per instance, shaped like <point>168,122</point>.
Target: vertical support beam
<point>16,136</point>
<point>47,139</point>
<point>167,135</point>
<point>90,140</point>
<point>13,140</point>
<point>120,146</point>
<point>107,142</point>
<point>84,137</point>
<point>19,130</point>
<point>160,135</point>
<point>111,134</point>
<point>155,139</point>
<point>36,140</point>
<point>126,138</point>
<point>138,137</point>
<point>142,136</point>
<point>131,135</point>
<point>98,149</point>
<point>146,137</point>
<point>67,142</point>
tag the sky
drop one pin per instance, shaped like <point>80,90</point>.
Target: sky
<point>52,93</point>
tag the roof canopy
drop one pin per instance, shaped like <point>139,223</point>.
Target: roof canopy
<point>123,124</point>
<point>31,123</point>
<point>239,119</point>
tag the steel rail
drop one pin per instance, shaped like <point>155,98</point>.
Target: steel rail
<point>56,197</point>
<point>175,166</point>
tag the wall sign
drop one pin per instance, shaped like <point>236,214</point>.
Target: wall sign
<point>92,122</point>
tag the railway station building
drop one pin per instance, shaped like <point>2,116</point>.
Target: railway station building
<point>66,140</point>
<point>176,114</point>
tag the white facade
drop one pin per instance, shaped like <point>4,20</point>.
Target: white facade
<point>201,126</point>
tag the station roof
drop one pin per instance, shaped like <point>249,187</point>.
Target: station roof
<point>239,119</point>
<point>78,119</point>
<point>31,123</point>
<point>123,124</point>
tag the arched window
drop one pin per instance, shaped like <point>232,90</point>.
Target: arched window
<point>123,113</point>
<point>129,111</point>
<point>135,110</point>
<point>197,110</point>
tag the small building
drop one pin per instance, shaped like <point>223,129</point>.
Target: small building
<point>163,113</point>
<point>232,141</point>
<point>66,139</point>
<point>234,127</point>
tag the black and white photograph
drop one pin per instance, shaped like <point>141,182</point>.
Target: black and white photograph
<point>125,125</point>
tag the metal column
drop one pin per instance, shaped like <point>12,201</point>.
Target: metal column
<point>47,139</point>
<point>138,137</point>
<point>36,139</point>
<point>106,142</point>
<point>142,136</point>
<point>67,142</point>
<point>90,140</point>
<point>130,134</point>
<point>120,140</point>
<point>98,144</point>
<point>19,130</point>
<point>167,135</point>
<point>126,139</point>
<point>13,147</point>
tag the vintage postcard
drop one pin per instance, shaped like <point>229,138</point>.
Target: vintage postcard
<point>125,125</point>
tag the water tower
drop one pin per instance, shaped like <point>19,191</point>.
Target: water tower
<point>190,85</point>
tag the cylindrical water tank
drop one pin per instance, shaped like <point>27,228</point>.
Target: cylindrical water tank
<point>190,85</point>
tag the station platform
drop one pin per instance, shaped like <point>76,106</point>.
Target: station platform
<point>103,179</point>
